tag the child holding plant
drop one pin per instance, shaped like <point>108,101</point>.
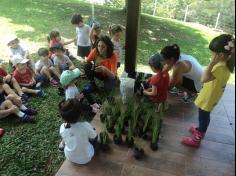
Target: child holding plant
<point>215,79</point>
<point>78,136</point>
<point>157,88</point>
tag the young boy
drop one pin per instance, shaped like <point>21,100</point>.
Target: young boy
<point>11,104</point>
<point>24,76</point>
<point>15,48</point>
<point>61,61</point>
<point>8,79</point>
<point>82,33</point>
<point>157,88</point>
<point>44,67</point>
<point>78,136</point>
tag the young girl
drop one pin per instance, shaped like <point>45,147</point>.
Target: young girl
<point>215,79</point>
<point>55,37</point>
<point>95,34</point>
<point>116,33</point>
<point>157,88</point>
<point>68,79</point>
<point>45,67</point>
<point>76,134</point>
<point>61,61</point>
<point>82,35</point>
<point>15,48</point>
<point>11,104</point>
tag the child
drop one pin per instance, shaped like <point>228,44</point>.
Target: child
<point>95,34</point>
<point>82,33</point>
<point>15,48</point>
<point>11,104</point>
<point>44,67</point>
<point>55,37</point>
<point>8,79</point>
<point>24,76</point>
<point>157,88</point>
<point>115,33</point>
<point>76,134</point>
<point>68,79</point>
<point>215,79</point>
<point>61,61</point>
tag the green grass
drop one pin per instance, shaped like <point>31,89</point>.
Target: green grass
<point>31,149</point>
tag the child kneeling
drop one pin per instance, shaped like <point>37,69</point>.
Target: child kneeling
<point>157,88</point>
<point>76,135</point>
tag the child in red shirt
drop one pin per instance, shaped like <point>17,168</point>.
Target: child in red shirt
<point>24,76</point>
<point>159,83</point>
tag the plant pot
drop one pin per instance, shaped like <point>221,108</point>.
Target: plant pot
<point>130,143</point>
<point>103,118</point>
<point>154,146</point>
<point>104,147</point>
<point>117,140</point>
<point>138,153</point>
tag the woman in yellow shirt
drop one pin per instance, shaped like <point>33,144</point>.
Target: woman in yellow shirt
<point>215,79</point>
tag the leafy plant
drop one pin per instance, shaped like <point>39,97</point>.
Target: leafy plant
<point>104,135</point>
<point>155,129</point>
<point>117,130</point>
<point>130,131</point>
<point>147,120</point>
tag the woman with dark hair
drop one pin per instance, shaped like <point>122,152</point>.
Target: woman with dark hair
<point>102,63</point>
<point>186,74</point>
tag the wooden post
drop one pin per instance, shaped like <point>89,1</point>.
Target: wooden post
<point>217,20</point>
<point>132,28</point>
<point>186,13</point>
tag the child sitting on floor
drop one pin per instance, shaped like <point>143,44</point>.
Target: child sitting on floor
<point>77,135</point>
<point>11,104</point>
<point>55,37</point>
<point>157,88</point>
<point>61,61</point>
<point>24,76</point>
<point>15,48</point>
<point>45,67</point>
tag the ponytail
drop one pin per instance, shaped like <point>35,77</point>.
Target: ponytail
<point>171,51</point>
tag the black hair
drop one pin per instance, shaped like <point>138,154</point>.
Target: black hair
<point>115,28</point>
<point>218,44</point>
<point>54,34</point>
<point>171,51</point>
<point>76,19</point>
<point>155,61</point>
<point>43,52</point>
<point>57,46</point>
<point>108,43</point>
<point>70,110</point>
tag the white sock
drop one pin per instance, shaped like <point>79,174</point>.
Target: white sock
<point>23,107</point>
<point>20,114</point>
<point>21,94</point>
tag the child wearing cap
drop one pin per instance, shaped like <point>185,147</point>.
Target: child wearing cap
<point>24,76</point>
<point>11,104</point>
<point>45,67</point>
<point>55,37</point>
<point>61,61</point>
<point>157,88</point>
<point>68,79</point>
<point>82,35</point>
<point>15,48</point>
<point>77,136</point>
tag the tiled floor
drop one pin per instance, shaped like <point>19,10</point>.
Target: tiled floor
<point>216,157</point>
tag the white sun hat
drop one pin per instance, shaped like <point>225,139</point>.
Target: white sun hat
<point>10,38</point>
<point>18,59</point>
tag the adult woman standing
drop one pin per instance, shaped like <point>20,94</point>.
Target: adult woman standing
<point>187,71</point>
<point>102,63</point>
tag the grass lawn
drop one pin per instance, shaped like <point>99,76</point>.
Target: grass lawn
<point>31,149</point>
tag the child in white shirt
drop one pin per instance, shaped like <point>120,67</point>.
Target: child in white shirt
<point>76,135</point>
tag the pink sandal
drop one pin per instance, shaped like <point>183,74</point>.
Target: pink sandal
<point>195,140</point>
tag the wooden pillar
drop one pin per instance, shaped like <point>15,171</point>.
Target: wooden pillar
<point>132,28</point>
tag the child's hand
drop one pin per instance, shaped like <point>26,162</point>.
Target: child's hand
<point>14,109</point>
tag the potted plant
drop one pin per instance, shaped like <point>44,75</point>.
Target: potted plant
<point>129,137</point>
<point>155,131</point>
<point>104,139</point>
<point>109,124</point>
<point>107,110</point>
<point>138,150</point>
<point>146,123</point>
<point>117,138</point>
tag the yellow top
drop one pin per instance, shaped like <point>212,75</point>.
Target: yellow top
<point>213,90</point>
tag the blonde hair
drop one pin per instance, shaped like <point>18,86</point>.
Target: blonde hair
<point>115,28</point>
